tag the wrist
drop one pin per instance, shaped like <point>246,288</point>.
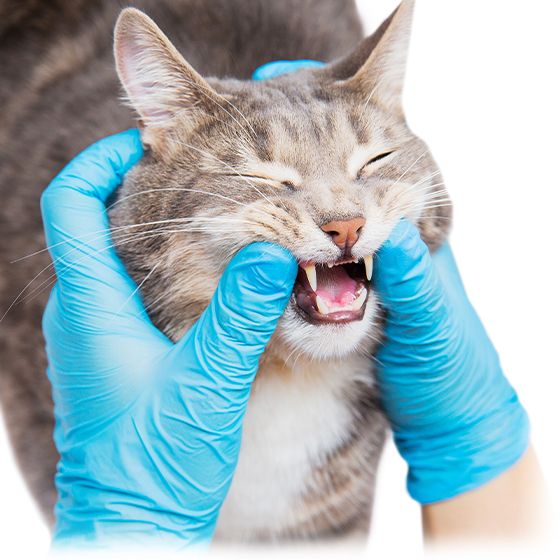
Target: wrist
<point>456,455</point>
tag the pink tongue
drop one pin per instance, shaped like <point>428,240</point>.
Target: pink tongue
<point>335,286</point>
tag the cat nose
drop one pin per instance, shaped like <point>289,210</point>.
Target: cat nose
<point>344,233</point>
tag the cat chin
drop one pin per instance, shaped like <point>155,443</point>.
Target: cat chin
<point>328,341</point>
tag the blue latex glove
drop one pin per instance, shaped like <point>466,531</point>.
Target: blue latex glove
<point>148,431</point>
<point>279,67</point>
<point>456,420</point>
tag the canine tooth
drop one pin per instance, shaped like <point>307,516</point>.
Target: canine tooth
<point>311,276</point>
<point>357,304</point>
<point>368,261</point>
<point>322,306</point>
<point>330,265</point>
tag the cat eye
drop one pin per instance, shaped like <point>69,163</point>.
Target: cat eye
<point>287,184</point>
<point>378,158</point>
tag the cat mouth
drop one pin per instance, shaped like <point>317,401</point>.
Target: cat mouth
<point>334,292</point>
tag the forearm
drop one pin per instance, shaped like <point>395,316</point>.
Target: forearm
<point>510,506</point>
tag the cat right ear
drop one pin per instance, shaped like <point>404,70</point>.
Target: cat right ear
<point>376,69</point>
<point>160,84</point>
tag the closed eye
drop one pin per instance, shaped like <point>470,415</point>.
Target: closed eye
<point>374,160</point>
<point>269,180</point>
<point>379,158</point>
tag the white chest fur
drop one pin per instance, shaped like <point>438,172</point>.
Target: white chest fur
<point>294,419</point>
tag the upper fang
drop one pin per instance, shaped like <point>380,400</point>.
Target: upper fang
<point>311,276</point>
<point>368,261</point>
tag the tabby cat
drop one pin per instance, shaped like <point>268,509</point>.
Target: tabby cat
<point>320,161</point>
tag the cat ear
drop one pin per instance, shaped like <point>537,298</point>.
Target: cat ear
<point>376,69</point>
<point>160,84</point>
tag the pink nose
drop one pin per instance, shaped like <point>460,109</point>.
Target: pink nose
<point>344,233</point>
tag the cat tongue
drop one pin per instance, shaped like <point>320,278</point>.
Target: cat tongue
<point>335,286</point>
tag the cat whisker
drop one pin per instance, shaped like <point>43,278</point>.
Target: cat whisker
<point>299,355</point>
<point>433,206</point>
<point>52,278</point>
<point>198,191</point>
<point>419,183</point>
<point>439,217</point>
<point>422,208</point>
<point>429,188</point>
<point>136,290</point>
<point>437,197</point>
<point>20,298</point>
<point>201,90</point>
<point>405,172</point>
<point>286,360</point>
<point>149,191</point>
<point>92,236</point>
<point>152,305</point>
<point>400,195</point>
<point>429,193</point>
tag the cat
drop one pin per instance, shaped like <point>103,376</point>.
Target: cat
<point>320,161</point>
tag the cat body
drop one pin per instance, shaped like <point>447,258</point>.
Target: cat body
<point>311,444</point>
<point>227,162</point>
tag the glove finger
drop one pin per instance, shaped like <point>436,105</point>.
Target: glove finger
<point>76,225</point>
<point>404,275</point>
<point>210,371</point>
<point>279,67</point>
<point>226,343</point>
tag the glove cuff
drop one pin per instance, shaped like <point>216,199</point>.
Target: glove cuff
<point>463,460</point>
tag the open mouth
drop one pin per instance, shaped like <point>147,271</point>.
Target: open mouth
<point>333,293</point>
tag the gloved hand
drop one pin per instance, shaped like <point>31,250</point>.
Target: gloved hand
<point>148,431</point>
<point>456,420</point>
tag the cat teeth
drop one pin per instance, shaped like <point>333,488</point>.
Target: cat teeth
<point>311,271</point>
<point>368,261</point>
<point>324,308</point>
<point>322,305</point>
<point>360,300</point>
<point>311,276</point>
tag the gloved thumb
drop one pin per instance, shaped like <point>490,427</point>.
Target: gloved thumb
<point>230,336</point>
<point>405,277</point>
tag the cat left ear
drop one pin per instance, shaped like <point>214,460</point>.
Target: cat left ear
<point>161,85</point>
<point>376,69</point>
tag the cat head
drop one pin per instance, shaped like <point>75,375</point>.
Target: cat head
<point>320,161</point>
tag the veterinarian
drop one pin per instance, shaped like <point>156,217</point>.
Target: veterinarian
<point>149,431</point>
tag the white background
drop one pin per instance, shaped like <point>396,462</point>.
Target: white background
<point>483,91</point>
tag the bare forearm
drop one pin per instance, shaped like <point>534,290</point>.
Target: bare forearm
<point>510,506</point>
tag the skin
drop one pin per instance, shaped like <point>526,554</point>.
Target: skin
<point>509,507</point>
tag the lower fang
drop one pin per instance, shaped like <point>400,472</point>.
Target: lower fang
<point>360,300</point>
<point>322,306</point>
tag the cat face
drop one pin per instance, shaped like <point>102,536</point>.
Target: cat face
<point>320,161</point>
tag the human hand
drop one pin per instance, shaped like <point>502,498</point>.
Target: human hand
<point>456,420</point>
<point>148,431</point>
